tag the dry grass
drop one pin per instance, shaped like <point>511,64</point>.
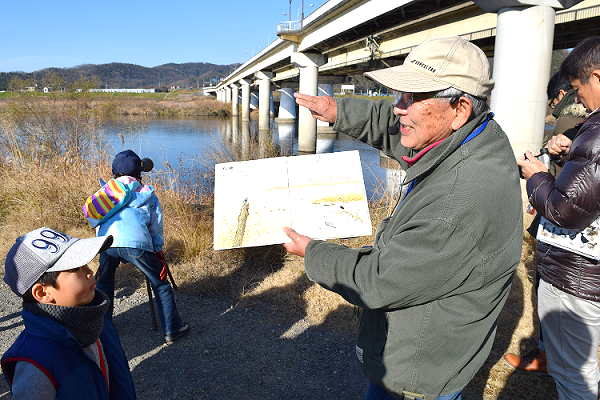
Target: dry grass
<point>107,105</point>
<point>172,107</point>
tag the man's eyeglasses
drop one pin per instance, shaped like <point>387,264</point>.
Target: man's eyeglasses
<point>409,98</point>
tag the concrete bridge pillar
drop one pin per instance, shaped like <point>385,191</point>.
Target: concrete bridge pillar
<point>324,89</point>
<point>227,94</point>
<point>265,99</point>
<point>253,100</point>
<point>287,105</point>
<point>286,132</point>
<point>227,131</point>
<point>235,99</point>
<point>309,64</point>
<point>523,50</point>
<point>326,142</point>
<point>245,99</point>
<point>235,129</point>
<point>245,141</point>
<point>522,57</point>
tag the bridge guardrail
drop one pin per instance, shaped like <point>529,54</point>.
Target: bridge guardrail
<point>289,26</point>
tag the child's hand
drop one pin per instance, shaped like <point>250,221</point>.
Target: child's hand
<point>161,260</point>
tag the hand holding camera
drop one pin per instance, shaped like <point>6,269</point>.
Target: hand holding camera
<point>543,158</point>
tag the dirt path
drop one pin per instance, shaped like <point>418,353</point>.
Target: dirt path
<point>231,353</point>
<point>241,353</point>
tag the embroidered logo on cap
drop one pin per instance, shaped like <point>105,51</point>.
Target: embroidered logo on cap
<point>423,65</point>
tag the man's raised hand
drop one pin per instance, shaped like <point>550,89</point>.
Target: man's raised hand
<point>322,108</point>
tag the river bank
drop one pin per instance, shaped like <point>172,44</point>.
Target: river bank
<point>107,105</point>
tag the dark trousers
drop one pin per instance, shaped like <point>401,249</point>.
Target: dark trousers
<point>146,262</point>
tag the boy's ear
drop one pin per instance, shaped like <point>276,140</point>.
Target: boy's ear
<point>41,295</point>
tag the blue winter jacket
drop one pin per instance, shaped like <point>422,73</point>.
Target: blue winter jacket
<point>139,224</point>
<point>52,348</point>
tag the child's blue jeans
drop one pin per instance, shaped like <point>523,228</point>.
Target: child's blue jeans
<point>147,262</point>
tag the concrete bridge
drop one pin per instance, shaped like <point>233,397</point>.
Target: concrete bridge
<point>348,37</point>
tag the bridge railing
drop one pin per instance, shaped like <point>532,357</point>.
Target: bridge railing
<point>289,26</point>
<point>574,15</point>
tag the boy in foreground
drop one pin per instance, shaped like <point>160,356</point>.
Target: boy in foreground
<point>68,349</point>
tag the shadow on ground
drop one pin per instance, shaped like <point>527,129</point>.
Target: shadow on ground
<point>266,349</point>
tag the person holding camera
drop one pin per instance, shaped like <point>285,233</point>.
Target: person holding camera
<point>440,270</point>
<point>568,113</point>
<point>569,288</point>
<point>137,229</point>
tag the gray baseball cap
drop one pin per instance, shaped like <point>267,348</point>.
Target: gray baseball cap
<point>47,250</point>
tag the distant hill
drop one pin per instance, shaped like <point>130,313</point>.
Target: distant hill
<point>119,75</point>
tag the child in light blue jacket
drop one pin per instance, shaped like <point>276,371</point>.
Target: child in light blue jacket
<point>137,229</point>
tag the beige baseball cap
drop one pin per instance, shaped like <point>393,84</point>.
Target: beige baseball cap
<point>438,63</point>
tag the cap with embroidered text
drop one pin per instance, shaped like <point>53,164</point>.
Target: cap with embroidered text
<point>47,250</point>
<point>438,63</point>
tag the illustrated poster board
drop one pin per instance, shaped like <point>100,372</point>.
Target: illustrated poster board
<point>321,196</point>
<point>583,242</point>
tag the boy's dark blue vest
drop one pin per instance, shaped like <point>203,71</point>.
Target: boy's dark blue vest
<point>74,374</point>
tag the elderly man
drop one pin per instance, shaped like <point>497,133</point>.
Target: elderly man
<point>569,289</point>
<point>441,267</point>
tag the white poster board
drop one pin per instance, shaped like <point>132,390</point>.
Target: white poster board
<point>321,196</point>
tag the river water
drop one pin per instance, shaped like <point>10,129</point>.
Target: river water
<point>179,145</point>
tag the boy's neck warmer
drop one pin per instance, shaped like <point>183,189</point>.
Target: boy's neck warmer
<point>84,322</point>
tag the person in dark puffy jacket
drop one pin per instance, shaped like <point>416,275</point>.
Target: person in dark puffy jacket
<point>568,114</point>
<point>569,290</point>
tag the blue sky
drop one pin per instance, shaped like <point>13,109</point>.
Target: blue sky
<point>39,33</point>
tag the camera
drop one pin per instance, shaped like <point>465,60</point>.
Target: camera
<point>544,157</point>
<point>147,164</point>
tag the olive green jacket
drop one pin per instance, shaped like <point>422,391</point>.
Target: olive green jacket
<point>433,284</point>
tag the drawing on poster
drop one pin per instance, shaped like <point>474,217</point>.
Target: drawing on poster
<point>583,242</point>
<point>321,196</point>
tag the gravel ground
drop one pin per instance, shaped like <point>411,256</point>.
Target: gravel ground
<point>231,353</point>
<point>247,353</point>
